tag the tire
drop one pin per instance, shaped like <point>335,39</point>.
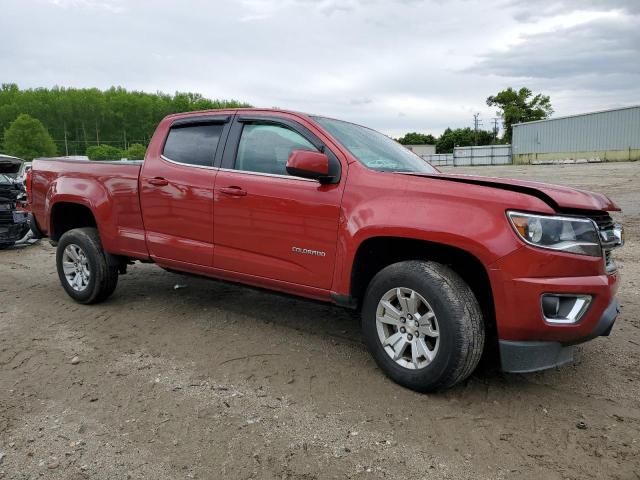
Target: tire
<point>445,332</point>
<point>96,280</point>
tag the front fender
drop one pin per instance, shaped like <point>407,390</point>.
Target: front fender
<point>469,218</point>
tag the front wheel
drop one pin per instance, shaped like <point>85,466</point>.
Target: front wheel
<point>82,267</point>
<point>423,325</point>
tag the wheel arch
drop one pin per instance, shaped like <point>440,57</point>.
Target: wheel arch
<point>69,214</point>
<point>375,253</point>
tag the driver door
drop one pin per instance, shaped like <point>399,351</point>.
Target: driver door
<point>268,223</point>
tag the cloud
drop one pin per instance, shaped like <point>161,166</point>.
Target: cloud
<point>597,58</point>
<point>114,6</point>
<point>527,10</point>
<point>614,47</point>
<point>404,65</point>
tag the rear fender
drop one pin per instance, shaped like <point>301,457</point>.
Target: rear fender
<point>89,193</point>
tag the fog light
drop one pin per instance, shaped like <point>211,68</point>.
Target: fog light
<point>564,308</point>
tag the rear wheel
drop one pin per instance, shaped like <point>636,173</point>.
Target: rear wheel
<point>423,325</point>
<point>82,267</point>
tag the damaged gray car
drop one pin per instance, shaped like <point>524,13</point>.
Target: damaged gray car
<point>14,223</point>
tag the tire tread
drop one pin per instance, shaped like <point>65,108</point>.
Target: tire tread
<point>106,276</point>
<point>464,308</point>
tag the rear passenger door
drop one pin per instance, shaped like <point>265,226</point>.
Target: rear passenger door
<point>270,224</point>
<point>176,190</point>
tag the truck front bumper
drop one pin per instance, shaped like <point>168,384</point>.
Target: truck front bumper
<point>527,339</point>
<point>13,226</point>
<point>531,356</point>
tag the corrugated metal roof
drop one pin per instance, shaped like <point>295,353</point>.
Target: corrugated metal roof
<point>578,115</point>
<point>617,129</point>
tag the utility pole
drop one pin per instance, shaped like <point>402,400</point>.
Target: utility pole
<point>496,129</point>
<point>476,122</point>
<point>97,136</point>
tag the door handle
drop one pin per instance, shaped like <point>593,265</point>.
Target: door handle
<point>158,181</point>
<point>233,191</point>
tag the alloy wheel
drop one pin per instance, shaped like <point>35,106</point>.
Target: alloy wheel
<point>407,328</point>
<point>75,266</point>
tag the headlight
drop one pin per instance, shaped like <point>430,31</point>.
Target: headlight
<point>567,234</point>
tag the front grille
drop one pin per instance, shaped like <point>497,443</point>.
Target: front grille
<point>603,220</point>
<point>607,238</point>
<point>609,262</point>
<point>6,216</point>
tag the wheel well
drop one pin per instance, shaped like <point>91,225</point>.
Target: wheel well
<point>67,216</point>
<point>376,253</point>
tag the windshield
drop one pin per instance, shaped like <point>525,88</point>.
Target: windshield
<point>375,150</point>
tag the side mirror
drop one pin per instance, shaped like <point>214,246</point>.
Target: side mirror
<point>306,164</point>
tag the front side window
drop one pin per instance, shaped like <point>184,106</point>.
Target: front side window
<point>373,149</point>
<point>193,144</point>
<point>265,148</point>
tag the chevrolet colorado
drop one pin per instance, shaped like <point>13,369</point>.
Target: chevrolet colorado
<point>440,265</point>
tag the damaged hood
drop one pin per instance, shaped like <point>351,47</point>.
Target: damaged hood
<point>10,189</point>
<point>9,165</point>
<point>556,196</point>
<point>10,192</point>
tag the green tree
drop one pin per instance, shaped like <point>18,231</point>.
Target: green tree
<point>415,138</point>
<point>27,138</point>
<point>520,106</point>
<point>79,117</point>
<point>462,137</point>
<point>104,152</point>
<point>135,151</point>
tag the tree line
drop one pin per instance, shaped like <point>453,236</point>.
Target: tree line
<point>450,138</point>
<point>78,118</point>
<point>514,106</point>
<point>114,123</point>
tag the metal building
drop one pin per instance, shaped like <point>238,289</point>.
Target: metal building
<point>422,149</point>
<point>608,135</point>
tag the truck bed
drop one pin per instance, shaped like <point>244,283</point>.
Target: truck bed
<point>108,188</point>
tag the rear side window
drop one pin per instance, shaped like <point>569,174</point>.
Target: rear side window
<point>193,144</point>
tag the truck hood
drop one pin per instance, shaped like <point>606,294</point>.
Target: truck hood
<point>9,164</point>
<point>556,196</point>
<point>10,189</point>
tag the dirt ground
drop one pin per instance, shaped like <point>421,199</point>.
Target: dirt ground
<point>221,381</point>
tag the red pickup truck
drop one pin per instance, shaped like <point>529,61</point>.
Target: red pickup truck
<point>440,265</point>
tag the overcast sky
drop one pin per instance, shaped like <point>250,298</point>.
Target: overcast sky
<point>398,66</point>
